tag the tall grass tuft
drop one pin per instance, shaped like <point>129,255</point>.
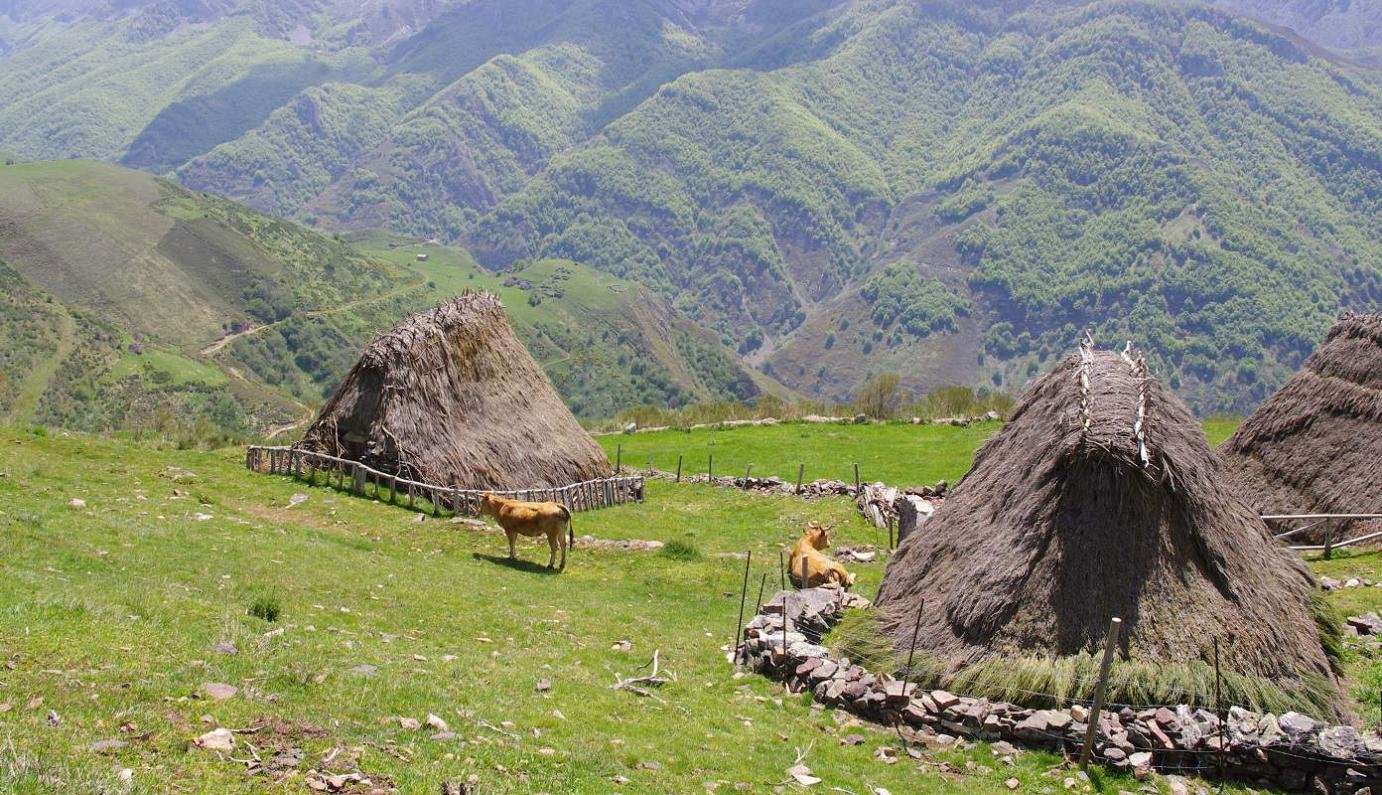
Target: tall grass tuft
<point>267,608</point>
<point>680,549</point>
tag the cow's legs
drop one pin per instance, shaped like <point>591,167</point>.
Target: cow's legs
<point>552,550</point>
<point>561,537</point>
<point>512,555</point>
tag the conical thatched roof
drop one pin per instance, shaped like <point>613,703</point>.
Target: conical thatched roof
<point>451,397</point>
<point>1315,446</point>
<point>1070,517</point>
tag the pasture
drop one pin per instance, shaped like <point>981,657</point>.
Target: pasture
<point>346,615</point>
<point>897,453</point>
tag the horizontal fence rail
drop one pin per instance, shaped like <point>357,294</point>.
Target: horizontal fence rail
<point>1326,519</point>
<point>356,478</point>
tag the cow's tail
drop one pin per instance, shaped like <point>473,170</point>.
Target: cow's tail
<point>570,528</point>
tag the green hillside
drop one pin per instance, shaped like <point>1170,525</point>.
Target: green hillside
<point>132,303</point>
<point>952,191</point>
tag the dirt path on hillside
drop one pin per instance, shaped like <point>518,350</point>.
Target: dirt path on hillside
<point>37,383</point>
<point>229,338</point>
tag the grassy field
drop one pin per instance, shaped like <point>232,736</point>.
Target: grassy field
<point>113,609</point>
<point>895,453</point>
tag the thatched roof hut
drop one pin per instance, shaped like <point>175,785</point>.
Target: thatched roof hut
<point>1314,446</point>
<point>451,397</point>
<point>1101,498</point>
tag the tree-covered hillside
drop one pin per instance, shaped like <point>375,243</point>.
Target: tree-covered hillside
<point>949,190</point>
<point>128,302</point>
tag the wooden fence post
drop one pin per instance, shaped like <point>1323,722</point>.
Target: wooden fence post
<point>856,478</point>
<point>618,458</point>
<point>1328,539</point>
<point>743,594</point>
<point>801,471</point>
<point>1110,643</point>
<point>747,474</point>
<point>710,470</point>
<point>678,469</point>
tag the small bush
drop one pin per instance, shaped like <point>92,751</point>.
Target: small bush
<point>267,608</point>
<point>680,549</point>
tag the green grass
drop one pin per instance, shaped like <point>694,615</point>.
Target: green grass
<point>895,453</point>
<point>111,612</point>
<point>899,454</point>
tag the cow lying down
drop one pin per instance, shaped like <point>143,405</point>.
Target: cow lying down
<point>531,519</point>
<point>819,569</point>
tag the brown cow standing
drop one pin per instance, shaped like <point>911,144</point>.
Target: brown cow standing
<point>531,519</point>
<point>819,569</point>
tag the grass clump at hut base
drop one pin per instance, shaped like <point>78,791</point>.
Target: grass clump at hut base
<point>1041,682</point>
<point>1052,682</point>
<point>859,637</point>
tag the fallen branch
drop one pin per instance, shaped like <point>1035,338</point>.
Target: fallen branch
<point>634,684</point>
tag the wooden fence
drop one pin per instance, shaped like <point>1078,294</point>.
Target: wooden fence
<point>355,477</point>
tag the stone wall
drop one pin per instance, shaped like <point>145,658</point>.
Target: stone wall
<point>1291,751</point>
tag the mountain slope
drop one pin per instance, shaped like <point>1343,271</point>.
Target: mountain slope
<point>950,190</point>
<point>133,303</point>
<point>1171,174</point>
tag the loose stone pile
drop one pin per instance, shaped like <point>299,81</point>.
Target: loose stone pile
<point>1292,751</point>
<point>1331,584</point>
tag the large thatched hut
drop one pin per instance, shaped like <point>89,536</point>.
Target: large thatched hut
<point>1101,498</point>
<point>1315,445</point>
<point>451,397</point>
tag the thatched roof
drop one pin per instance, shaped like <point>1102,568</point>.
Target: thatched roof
<point>1314,446</point>
<point>1071,516</point>
<point>451,397</point>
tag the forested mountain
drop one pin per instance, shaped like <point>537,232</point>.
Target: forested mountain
<point>951,190</point>
<point>130,302</point>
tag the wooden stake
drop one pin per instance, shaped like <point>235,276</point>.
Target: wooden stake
<point>803,571</point>
<point>911,652</point>
<point>801,470</point>
<point>678,469</point>
<point>747,474</point>
<point>856,478</point>
<point>743,594</point>
<point>782,568</point>
<point>710,470</point>
<point>1219,709</point>
<point>1328,539</point>
<point>618,458</point>
<point>1110,643</point>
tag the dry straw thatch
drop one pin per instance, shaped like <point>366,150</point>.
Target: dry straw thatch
<point>1101,498</point>
<point>1315,445</point>
<point>451,397</point>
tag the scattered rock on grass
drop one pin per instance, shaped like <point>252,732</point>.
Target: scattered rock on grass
<point>217,691</point>
<point>216,740</point>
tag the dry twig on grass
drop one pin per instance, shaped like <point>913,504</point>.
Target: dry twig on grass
<point>634,684</point>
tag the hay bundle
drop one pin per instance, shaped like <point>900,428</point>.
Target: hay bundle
<point>451,397</point>
<point>1101,498</point>
<point>1314,446</point>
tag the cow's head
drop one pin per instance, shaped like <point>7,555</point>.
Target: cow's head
<point>818,535</point>
<point>490,504</point>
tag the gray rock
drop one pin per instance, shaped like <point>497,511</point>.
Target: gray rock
<point>1297,727</point>
<point>1342,742</point>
